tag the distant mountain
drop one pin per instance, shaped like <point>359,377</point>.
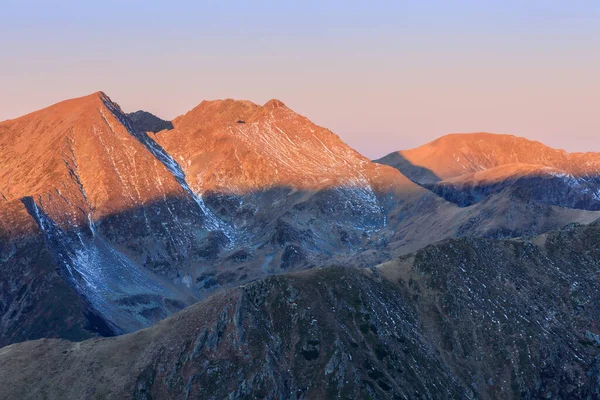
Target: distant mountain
<point>146,122</point>
<point>468,168</point>
<point>454,155</point>
<point>463,318</point>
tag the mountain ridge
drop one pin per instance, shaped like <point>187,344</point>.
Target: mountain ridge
<point>467,317</point>
<point>454,154</point>
<point>467,168</point>
<point>106,200</point>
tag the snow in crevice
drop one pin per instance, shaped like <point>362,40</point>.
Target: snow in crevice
<point>305,151</point>
<point>212,221</point>
<point>103,276</point>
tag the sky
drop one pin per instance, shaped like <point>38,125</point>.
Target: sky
<point>383,75</point>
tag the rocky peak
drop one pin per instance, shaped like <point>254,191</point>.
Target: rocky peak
<point>147,122</point>
<point>253,147</point>
<point>274,103</point>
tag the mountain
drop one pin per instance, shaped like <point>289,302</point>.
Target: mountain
<point>145,122</point>
<point>468,168</point>
<point>74,178</point>
<point>454,155</point>
<point>118,227</point>
<point>463,318</point>
<point>110,223</point>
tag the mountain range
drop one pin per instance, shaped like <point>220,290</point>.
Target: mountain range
<point>111,222</point>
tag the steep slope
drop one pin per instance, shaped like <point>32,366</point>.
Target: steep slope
<point>140,225</point>
<point>515,318</point>
<point>276,179</point>
<point>74,177</point>
<point>135,225</point>
<point>146,122</point>
<point>245,147</point>
<point>463,318</point>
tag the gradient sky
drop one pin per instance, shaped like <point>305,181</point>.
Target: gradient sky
<point>384,75</point>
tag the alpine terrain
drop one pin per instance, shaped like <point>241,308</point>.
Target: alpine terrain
<point>241,251</point>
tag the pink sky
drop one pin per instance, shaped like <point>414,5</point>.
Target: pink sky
<point>393,76</point>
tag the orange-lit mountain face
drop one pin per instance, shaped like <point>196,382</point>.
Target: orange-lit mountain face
<point>71,167</point>
<point>455,155</point>
<point>468,168</point>
<point>237,147</point>
<point>138,225</point>
<point>79,163</point>
<point>118,220</point>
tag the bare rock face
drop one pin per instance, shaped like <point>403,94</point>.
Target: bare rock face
<point>463,318</point>
<point>145,122</point>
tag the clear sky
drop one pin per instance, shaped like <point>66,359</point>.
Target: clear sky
<point>384,75</point>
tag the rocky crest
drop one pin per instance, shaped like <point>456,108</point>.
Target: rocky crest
<point>145,122</point>
<point>455,155</point>
<point>139,225</point>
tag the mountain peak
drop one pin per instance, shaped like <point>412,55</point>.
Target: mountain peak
<point>252,147</point>
<point>99,93</point>
<point>74,106</point>
<point>88,99</point>
<point>458,154</point>
<point>148,122</point>
<point>482,138</point>
<point>218,112</point>
<point>274,103</point>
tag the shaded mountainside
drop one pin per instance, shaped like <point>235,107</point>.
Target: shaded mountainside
<point>74,178</point>
<point>468,168</point>
<point>146,122</point>
<point>463,318</point>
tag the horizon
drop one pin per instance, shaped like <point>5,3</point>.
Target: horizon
<point>262,105</point>
<point>386,77</point>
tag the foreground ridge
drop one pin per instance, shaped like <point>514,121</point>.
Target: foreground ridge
<point>462,318</point>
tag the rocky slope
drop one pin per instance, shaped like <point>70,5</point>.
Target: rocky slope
<point>110,222</point>
<point>145,122</point>
<point>464,318</point>
<point>65,170</point>
<point>138,225</point>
